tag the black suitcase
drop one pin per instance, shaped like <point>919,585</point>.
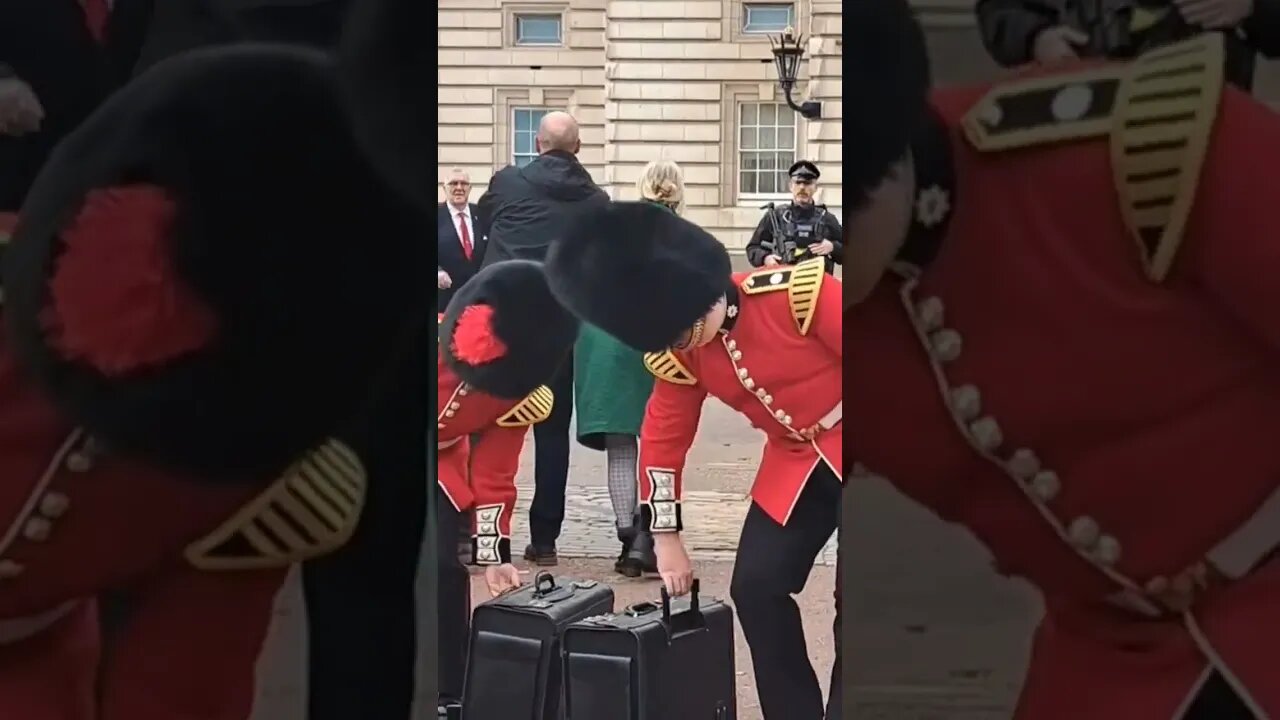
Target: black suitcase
<point>514,666</point>
<point>672,661</point>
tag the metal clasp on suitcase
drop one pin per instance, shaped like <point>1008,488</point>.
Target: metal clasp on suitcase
<point>687,622</point>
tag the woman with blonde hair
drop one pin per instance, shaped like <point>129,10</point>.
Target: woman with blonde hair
<point>611,388</point>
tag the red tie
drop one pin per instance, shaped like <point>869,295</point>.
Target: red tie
<point>96,13</point>
<point>465,235</point>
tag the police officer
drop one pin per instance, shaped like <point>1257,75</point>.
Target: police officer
<point>798,230</point>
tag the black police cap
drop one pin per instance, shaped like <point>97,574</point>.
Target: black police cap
<point>805,170</point>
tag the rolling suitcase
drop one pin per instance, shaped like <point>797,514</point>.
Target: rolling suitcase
<point>514,666</point>
<point>672,661</point>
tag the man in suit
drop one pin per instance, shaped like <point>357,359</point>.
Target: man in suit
<point>58,60</point>
<point>460,237</point>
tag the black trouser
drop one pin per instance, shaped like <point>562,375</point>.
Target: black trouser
<point>1218,701</point>
<point>362,611</point>
<point>551,461</point>
<point>774,563</point>
<point>454,603</point>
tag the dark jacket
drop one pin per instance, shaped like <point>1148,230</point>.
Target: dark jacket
<point>46,44</point>
<point>181,25</point>
<point>526,208</point>
<point>451,258</point>
<point>1009,29</point>
<point>763,242</point>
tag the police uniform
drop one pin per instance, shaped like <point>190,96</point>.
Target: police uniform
<point>804,225</point>
<point>1087,379</point>
<point>776,360</point>
<point>485,407</point>
<point>157,434</point>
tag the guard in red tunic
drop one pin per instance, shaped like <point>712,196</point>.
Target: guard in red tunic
<point>501,337</point>
<point>766,343</point>
<point>184,339</point>
<point>1063,313</point>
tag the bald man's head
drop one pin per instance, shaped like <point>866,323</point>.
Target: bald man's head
<point>558,131</point>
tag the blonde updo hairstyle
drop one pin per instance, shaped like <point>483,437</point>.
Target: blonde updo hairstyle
<point>661,181</point>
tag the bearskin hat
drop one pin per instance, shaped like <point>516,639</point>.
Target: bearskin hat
<point>887,66</point>
<point>208,273</point>
<point>384,68</point>
<point>638,271</point>
<point>504,333</point>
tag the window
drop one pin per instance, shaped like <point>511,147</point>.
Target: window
<point>759,18</point>
<point>537,29</point>
<point>524,128</point>
<point>766,147</point>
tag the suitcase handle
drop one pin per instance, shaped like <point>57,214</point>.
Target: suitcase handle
<point>543,584</point>
<point>693,603</point>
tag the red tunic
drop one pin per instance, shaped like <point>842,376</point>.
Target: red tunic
<point>483,480</point>
<point>76,521</point>
<point>1096,429</point>
<point>782,379</point>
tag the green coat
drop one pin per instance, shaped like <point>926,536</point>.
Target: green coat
<point>610,387</point>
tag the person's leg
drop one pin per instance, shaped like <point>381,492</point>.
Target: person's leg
<point>1218,701</point>
<point>773,563</point>
<point>835,694</point>
<point>621,453</point>
<point>551,439</point>
<point>454,593</point>
<point>362,608</point>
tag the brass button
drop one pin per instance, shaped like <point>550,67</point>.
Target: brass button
<point>10,569</point>
<point>779,414</point>
<point>54,505</point>
<point>1084,532</point>
<point>946,345</point>
<point>742,373</point>
<point>736,355</point>
<point>786,420</point>
<point>1046,485</point>
<point>748,383</point>
<point>1024,464</point>
<point>986,433</point>
<point>966,402</point>
<point>78,462</point>
<point>37,529</point>
<point>929,314</point>
<point>1107,550</point>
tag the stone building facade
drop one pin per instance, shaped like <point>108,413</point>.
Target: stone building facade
<point>684,80</point>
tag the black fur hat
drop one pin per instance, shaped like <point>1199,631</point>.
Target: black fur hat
<point>504,333</point>
<point>887,65</point>
<point>639,272</point>
<point>253,276</point>
<point>384,68</point>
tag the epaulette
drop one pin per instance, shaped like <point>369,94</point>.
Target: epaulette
<point>802,281</point>
<point>666,366</point>
<point>1158,111</point>
<point>532,410</point>
<point>310,511</point>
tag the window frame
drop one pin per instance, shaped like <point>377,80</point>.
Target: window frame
<point>549,14</point>
<point>738,105</point>
<point>747,7</point>
<point>513,129</point>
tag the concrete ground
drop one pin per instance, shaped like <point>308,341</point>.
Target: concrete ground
<point>933,633</point>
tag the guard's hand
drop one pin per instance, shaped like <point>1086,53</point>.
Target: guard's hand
<point>20,109</point>
<point>674,566</point>
<point>1057,44</point>
<point>443,281</point>
<point>771,260</point>
<point>1214,14</point>
<point>823,248</point>
<point>501,579</point>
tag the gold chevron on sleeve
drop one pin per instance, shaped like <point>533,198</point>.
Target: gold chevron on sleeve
<point>666,366</point>
<point>311,510</point>
<point>802,292</point>
<point>532,410</point>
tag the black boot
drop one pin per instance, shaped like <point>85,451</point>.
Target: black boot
<point>624,565</point>
<point>641,554</point>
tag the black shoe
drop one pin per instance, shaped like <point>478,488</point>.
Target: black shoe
<point>624,565</point>
<point>641,553</point>
<point>542,555</point>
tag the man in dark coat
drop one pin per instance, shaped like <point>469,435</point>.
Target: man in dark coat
<point>58,60</point>
<point>526,208</point>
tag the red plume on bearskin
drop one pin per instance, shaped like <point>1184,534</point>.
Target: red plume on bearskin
<point>116,302</point>
<point>474,341</point>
